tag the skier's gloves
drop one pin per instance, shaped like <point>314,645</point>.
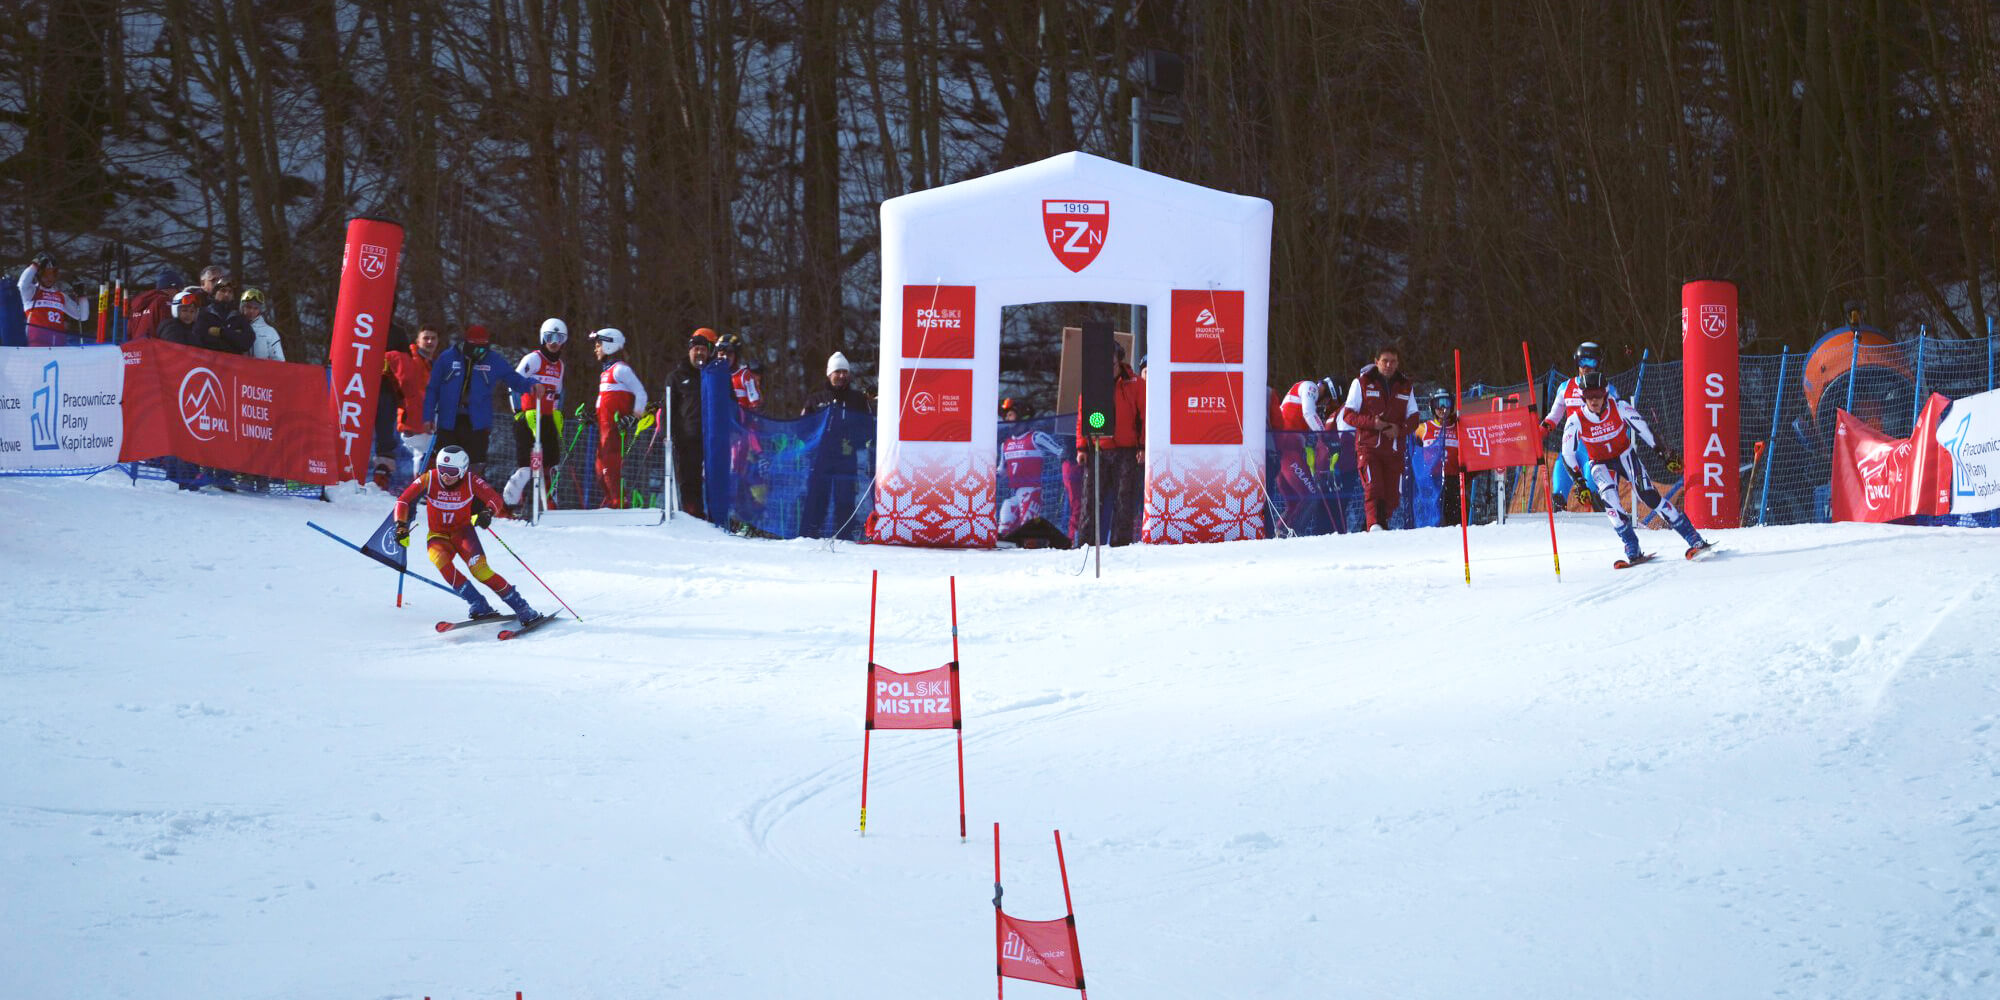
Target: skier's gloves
<point>626,422</point>
<point>482,518</point>
<point>1579,496</point>
<point>403,533</point>
<point>1668,459</point>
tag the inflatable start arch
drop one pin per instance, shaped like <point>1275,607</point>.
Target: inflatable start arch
<point>1072,228</point>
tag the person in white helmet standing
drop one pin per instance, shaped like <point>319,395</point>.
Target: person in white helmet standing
<point>621,397</point>
<point>539,419</point>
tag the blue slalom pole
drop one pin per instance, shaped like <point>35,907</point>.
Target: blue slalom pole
<point>1853,358</point>
<point>1771,450</point>
<point>1640,386</point>
<point>364,552</point>
<point>1917,398</point>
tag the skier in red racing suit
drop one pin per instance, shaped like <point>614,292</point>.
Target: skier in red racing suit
<point>458,501</point>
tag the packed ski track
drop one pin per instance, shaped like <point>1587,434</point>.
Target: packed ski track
<point>1301,768</point>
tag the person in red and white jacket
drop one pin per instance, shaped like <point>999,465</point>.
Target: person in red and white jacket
<point>49,309</point>
<point>1607,429</point>
<point>1299,413</point>
<point>539,418</point>
<point>621,397</point>
<point>1381,410</point>
<point>456,500</point>
<point>747,381</point>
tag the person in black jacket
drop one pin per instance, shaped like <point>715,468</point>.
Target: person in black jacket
<point>684,420</point>
<point>179,327</point>
<point>834,463</point>
<point>221,326</point>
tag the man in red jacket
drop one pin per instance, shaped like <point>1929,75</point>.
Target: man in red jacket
<point>1381,410</point>
<point>1121,459</point>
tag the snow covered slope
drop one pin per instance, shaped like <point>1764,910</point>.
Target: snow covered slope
<point>1325,767</point>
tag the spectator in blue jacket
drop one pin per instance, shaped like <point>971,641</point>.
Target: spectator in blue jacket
<point>458,403</point>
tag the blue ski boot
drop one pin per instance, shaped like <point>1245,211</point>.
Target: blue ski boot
<point>520,605</point>
<point>1631,540</point>
<point>475,602</point>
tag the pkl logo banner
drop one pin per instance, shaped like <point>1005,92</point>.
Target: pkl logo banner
<point>937,405</point>
<point>204,406</point>
<point>46,401</point>
<point>374,260</point>
<point>1714,321</point>
<point>1076,230</point>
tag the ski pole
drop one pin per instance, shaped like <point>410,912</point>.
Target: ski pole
<point>531,572</point>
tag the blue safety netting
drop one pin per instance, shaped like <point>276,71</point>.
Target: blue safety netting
<point>805,477</point>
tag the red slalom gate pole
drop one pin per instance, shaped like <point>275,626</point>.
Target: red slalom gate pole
<point>999,978</point>
<point>1069,914</point>
<point>867,733</point>
<point>957,710</point>
<point>1458,392</point>
<point>1535,397</point>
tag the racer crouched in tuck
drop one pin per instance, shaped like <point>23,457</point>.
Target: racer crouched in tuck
<point>458,501</point>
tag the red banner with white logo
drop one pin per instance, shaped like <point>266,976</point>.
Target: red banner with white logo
<point>264,418</point>
<point>1498,440</point>
<point>938,320</point>
<point>1880,478</point>
<point>360,334</point>
<point>927,699</point>
<point>1207,408</point>
<point>1040,951</point>
<point>937,404</point>
<point>1207,327</point>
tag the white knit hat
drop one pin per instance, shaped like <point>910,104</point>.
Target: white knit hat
<point>838,363</point>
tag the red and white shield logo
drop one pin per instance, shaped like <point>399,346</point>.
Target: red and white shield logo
<point>374,260</point>
<point>1714,321</point>
<point>1076,230</point>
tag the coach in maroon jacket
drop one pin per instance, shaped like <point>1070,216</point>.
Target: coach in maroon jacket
<point>1381,410</point>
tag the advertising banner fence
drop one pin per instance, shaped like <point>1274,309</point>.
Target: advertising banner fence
<point>265,418</point>
<point>1881,478</point>
<point>1970,434</point>
<point>60,409</point>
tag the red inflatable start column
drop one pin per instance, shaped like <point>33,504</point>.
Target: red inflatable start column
<point>360,335</point>
<point>1709,383</point>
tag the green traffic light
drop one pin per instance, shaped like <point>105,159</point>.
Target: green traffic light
<point>1097,420</point>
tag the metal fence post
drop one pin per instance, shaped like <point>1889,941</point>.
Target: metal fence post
<point>1771,449</point>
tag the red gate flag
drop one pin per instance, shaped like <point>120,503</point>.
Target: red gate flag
<point>1498,440</point>
<point>265,418</point>
<point>360,334</point>
<point>1040,951</point>
<point>1880,478</point>
<point>927,699</point>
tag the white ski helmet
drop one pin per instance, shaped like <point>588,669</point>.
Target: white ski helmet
<point>612,339</point>
<point>554,331</point>
<point>454,461</point>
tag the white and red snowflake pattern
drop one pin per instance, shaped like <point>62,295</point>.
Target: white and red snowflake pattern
<point>945,504</point>
<point>1214,501</point>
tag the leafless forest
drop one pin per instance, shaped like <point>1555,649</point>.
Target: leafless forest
<point>1444,174</point>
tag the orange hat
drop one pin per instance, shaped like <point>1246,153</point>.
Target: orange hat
<point>476,334</point>
<point>706,334</point>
